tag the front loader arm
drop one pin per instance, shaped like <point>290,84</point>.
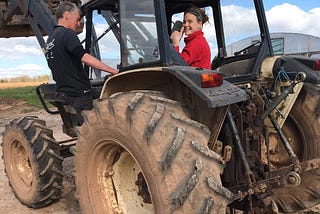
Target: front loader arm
<point>21,18</point>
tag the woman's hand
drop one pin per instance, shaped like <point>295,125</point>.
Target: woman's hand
<point>176,37</point>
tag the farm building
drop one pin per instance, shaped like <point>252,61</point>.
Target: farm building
<point>284,43</point>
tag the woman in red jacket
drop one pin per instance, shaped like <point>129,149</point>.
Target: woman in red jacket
<point>196,51</point>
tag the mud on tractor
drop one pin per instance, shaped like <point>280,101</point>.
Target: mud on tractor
<point>164,137</point>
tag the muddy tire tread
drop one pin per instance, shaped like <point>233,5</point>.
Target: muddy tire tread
<point>45,158</point>
<point>159,113</point>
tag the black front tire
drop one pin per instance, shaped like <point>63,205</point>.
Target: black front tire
<point>32,162</point>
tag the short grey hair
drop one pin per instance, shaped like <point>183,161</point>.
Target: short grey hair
<point>64,7</point>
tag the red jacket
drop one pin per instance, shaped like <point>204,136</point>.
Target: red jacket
<point>196,52</point>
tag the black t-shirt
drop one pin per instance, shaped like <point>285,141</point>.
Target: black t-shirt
<point>63,53</point>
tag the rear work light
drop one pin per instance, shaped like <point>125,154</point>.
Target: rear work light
<point>317,65</point>
<point>211,80</point>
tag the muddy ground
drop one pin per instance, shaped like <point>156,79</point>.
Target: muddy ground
<point>10,109</point>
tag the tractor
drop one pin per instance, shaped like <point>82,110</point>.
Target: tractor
<point>164,137</point>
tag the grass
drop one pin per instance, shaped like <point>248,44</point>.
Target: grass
<point>28,94</point>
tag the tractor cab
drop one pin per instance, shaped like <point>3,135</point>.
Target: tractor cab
<point>143,27</point>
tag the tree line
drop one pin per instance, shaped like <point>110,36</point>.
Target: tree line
<point>40,78</point>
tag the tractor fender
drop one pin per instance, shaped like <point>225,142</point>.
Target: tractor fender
<point>170,79</point>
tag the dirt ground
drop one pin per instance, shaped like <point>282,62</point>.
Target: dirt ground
<point>10,109</point>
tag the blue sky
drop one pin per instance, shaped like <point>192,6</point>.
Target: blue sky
<point>305,5</point>
<point>23,56</point>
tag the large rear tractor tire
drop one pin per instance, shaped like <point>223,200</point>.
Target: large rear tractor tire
<point>302,129</point>
<point>32,162</point>
<point>139,152</point>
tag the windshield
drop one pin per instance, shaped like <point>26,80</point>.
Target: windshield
<point>240,24</point>
<point>138,32</point>
<point>104,44</point>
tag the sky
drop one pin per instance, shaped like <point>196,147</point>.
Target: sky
<point>23,56</point>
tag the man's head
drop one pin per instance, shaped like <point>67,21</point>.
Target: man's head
<point>68,15</point>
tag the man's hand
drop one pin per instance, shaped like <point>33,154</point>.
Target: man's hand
<point>96,63</point>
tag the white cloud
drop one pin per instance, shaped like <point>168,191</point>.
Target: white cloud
<point>290,18</point>
<point>24,49</point>
<point>242,18</point>
<point>30,67</point>
<point>30,70</point>
<point>15,48</point>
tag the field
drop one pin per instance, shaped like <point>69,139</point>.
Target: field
<point>19,97</point>
<point>18,84</point>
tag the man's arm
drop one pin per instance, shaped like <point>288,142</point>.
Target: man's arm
<point>95,63</point>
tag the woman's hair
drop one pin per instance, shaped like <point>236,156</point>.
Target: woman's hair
<point>64,7</point>
<point>199,13</point>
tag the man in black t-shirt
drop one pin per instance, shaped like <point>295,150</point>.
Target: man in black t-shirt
<point>65,56</point>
